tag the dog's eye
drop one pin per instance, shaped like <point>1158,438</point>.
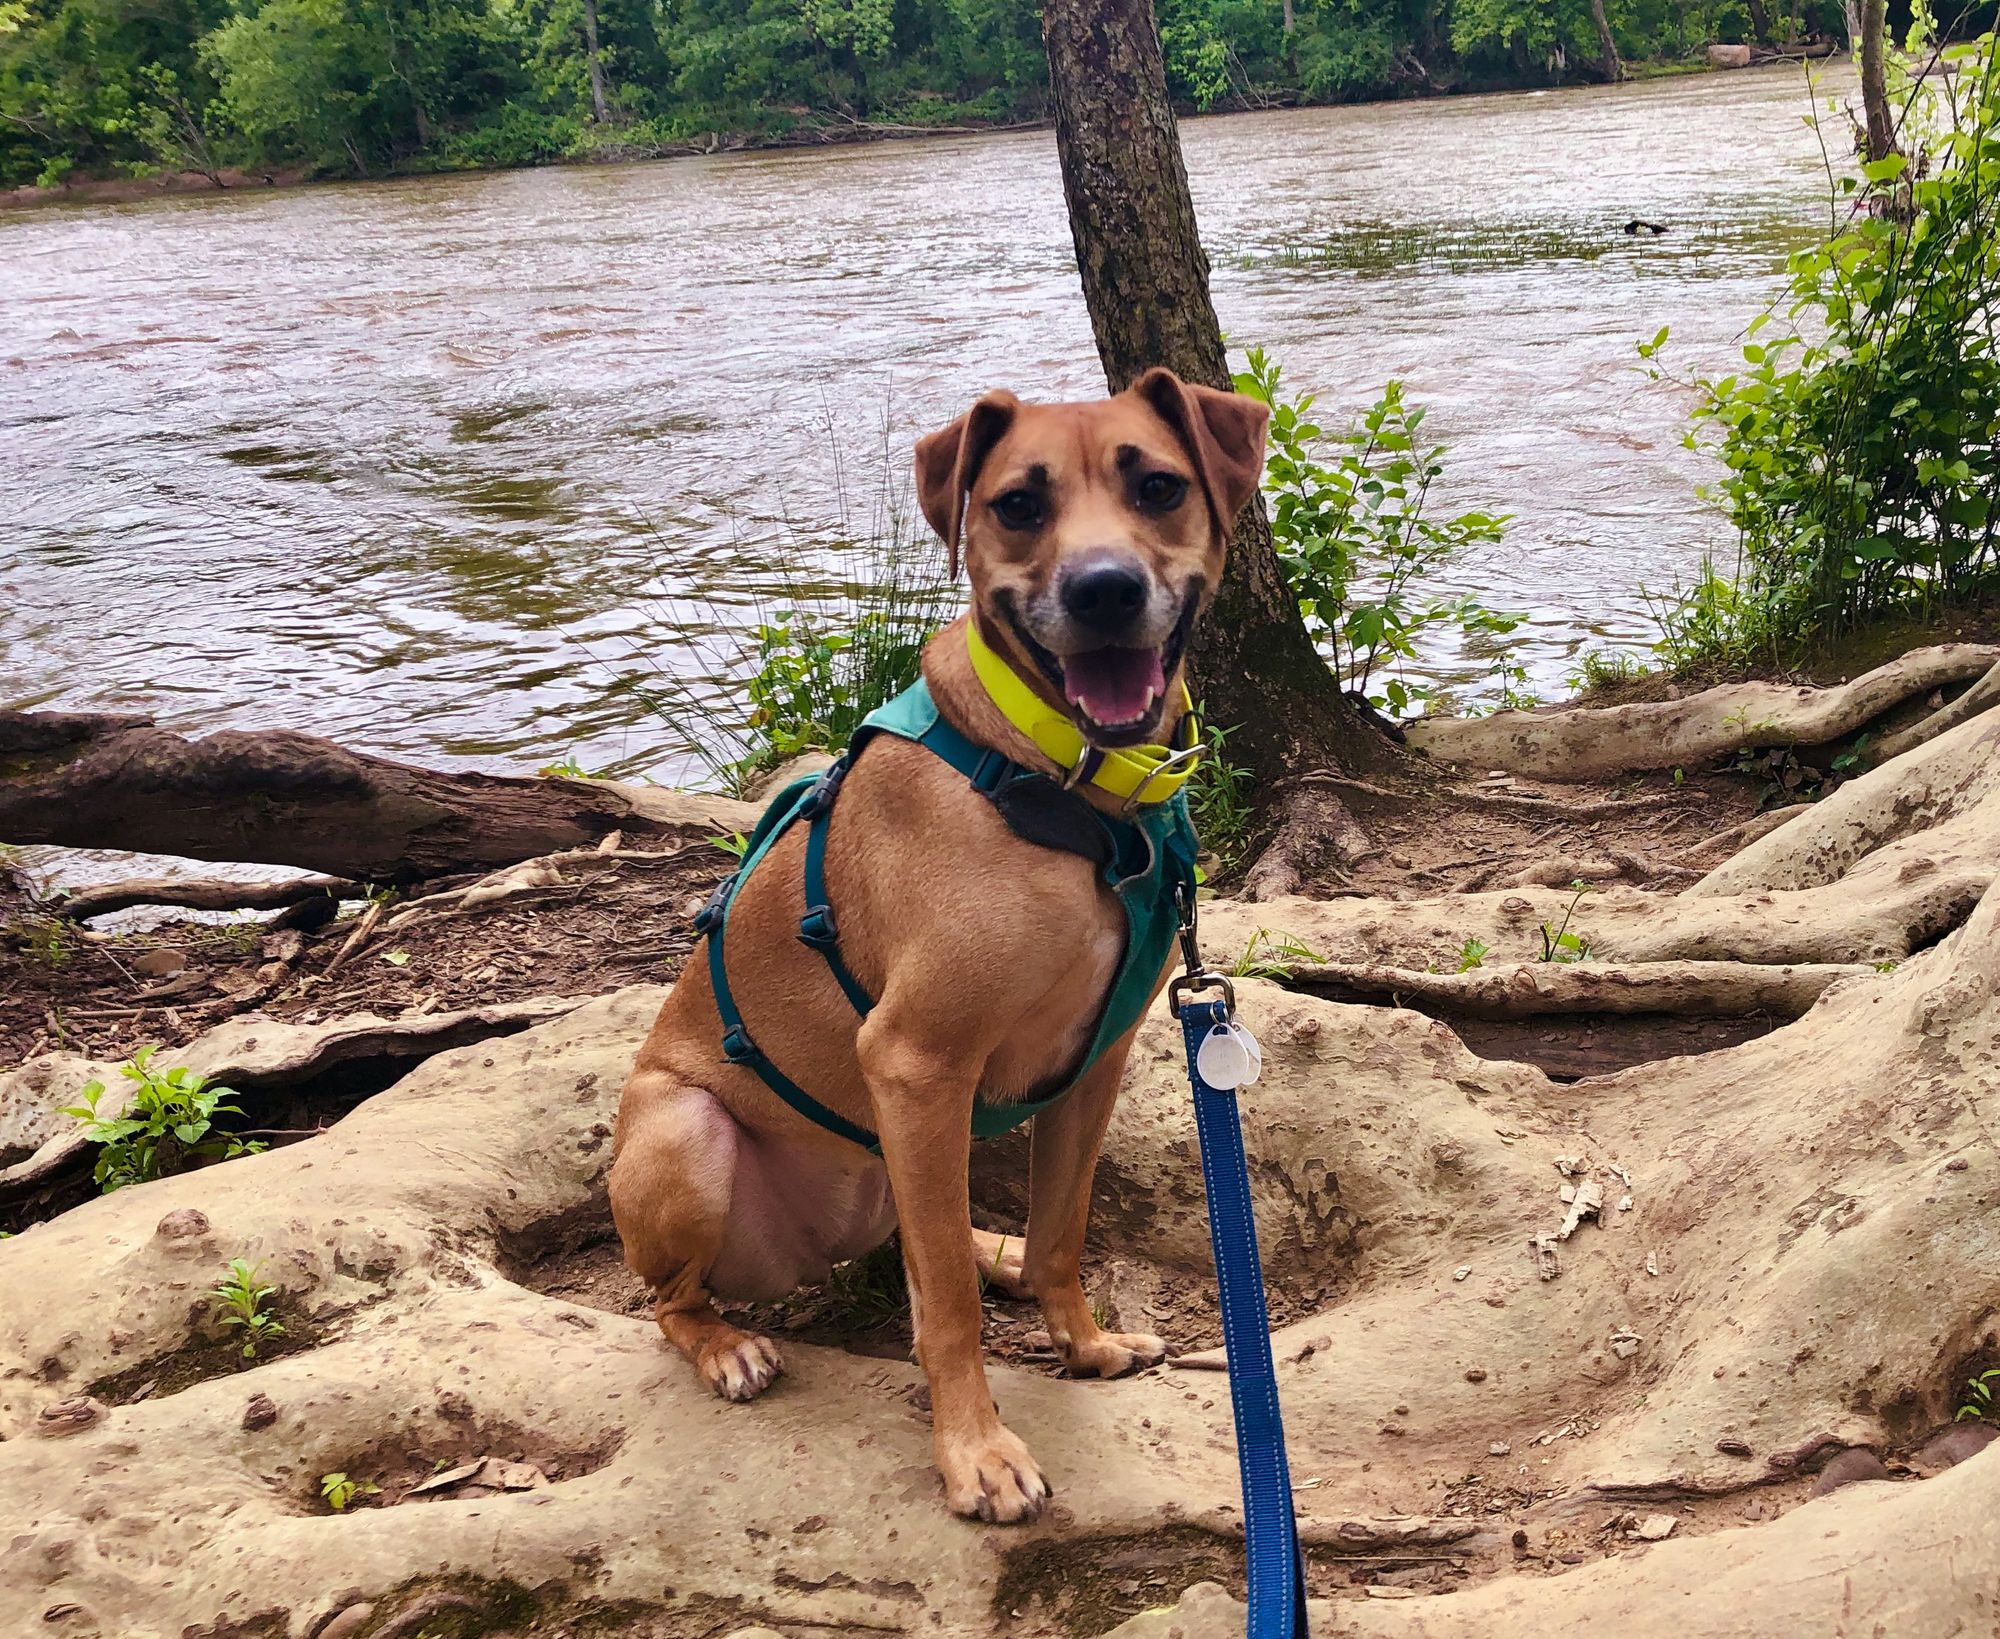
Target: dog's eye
<point>1019,509</point>
<point>1162,491</point>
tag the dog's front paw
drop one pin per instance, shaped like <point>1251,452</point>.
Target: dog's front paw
<point>990,1476</point>
<point>739,1365</point>
<point>1111,1354</point>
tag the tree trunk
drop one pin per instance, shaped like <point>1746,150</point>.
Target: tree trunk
<point>1291,22</point>
<point>1607,48</point>
<point>1874,82</point>
<point>598,109</point>
<point>79,780</point>
<point>1760,23</point>
<point>1145,280</point>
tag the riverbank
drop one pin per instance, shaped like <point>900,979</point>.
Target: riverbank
<point>609,150</point>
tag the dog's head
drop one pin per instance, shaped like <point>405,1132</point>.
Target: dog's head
<point>1094,535</point>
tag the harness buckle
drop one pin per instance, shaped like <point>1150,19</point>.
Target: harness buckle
<point>817,929</point>
<point>709,917</point>
<point>820,794</point>
<point>737,1047</point>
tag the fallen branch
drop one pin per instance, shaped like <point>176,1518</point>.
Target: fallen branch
<point>198,894</point>
<point>279,798</point>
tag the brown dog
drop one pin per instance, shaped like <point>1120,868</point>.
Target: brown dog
<point>1094,535</point>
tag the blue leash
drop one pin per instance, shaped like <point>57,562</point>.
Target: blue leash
<point>1274,1563</point>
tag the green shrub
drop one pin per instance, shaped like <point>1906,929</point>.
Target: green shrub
<point>513,136</point>
<point>1355,538</point>
<point>1861,437</point>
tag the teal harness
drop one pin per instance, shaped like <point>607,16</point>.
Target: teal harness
<point>1147,861</point>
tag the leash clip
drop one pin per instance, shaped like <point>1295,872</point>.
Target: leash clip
<point>1197,978</point>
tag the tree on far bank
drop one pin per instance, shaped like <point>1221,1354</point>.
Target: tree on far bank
<point>1607,47</point>
<point>1145,281</point>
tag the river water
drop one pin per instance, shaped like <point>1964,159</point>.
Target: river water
<point>477,468</point>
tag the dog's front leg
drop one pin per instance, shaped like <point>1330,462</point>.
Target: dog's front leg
<point>1062,1161</point>
<point>923,1094</point>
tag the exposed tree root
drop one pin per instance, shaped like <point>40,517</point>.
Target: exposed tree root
<point>1313,837</point>
<point>1938,801</point>
<point>1982,696</point>
<point>1570,743</point>
<point>249,1052</point>
<point>1537,989</point>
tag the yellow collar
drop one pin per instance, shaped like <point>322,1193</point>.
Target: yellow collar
<point>1139,774</point>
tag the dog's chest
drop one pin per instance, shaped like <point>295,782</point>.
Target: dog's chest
<point>1046,1048</point>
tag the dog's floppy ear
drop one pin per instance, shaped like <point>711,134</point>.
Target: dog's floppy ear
<point>1224,432</point>
<point>948,463</point>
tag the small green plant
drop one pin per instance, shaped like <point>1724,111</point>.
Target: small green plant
<point>568,769</point>
<point>735,845</point>
<point>241,1299</point>
<point>1982,1397</point>
<point>44,940</point>
<point>1605,668</point>
<point>1356,540</point>
<point>1219,799</point>
<point>1471,954</point>
<point>866,1292</point>
<point>339,1490</point>
<point>1560,945</point>
<point>1273,956</point>
<point>168,1124</point>
<point>242,936</point>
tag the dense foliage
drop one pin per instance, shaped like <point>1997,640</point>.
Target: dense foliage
<point>353,87</point>
<point>1861,438</point>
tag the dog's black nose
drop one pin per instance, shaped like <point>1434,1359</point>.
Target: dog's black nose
<point>1105,594</point>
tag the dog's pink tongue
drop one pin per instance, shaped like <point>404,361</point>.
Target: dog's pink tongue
<point>1112,685</point>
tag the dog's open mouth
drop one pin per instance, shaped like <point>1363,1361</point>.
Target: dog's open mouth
<point>1116,692</point>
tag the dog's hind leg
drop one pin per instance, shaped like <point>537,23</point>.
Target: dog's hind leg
<point>672,1177</point>
<point>1000,1262</point>
<point>1062,1158</point>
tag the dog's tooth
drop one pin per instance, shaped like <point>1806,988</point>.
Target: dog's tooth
<point>1152,694</point>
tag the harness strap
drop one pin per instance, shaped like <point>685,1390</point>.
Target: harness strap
<point>1273,1560</point>
<point>738,1048</point>
<point>817,928</point>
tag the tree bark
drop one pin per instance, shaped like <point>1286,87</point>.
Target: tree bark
<point>599,109</point>
<point>1145,280</point>
<point>1874,79</point>
<point>1760,23</point>
<point>278,798</point>
<point>1607,47</point>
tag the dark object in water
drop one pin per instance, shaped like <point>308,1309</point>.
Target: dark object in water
<point>1636,226</point>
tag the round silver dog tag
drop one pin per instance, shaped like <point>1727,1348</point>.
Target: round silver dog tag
<point>1228,1058</point>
